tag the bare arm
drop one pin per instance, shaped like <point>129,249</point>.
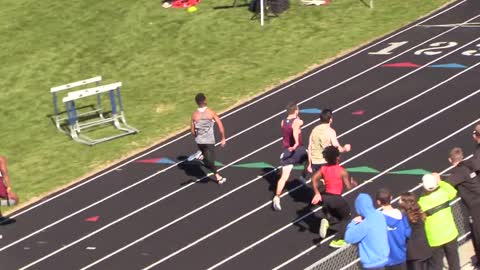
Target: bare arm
<point>310,153</point>
<point>334,140</point>
<point>346,179</point>
<point>220,127</point>
<point>192,128</point>
<point>296,133</point>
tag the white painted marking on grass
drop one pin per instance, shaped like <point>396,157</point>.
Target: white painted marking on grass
<point>251,181</point>
<point>469,125</point>
<point>231,113</point>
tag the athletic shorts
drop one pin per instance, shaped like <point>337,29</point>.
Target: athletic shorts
<point>295,157</point>
<point>3,189</point>
<point>316,167</point>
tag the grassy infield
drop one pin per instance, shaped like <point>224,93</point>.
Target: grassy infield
<point>163,57</point>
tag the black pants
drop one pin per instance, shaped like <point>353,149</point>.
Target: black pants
<point>418,264</point>
<point>450,250</point>
<point>475,227</point>
<point>337,211</point>
<point>208,152</point>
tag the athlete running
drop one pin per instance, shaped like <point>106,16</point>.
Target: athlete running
<point>203,120</point>
<point>294,152</point>
<point>335,208</point>
<point>322,136</point>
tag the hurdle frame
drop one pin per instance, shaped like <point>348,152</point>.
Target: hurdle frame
<point>57,116</point>
<point>75,127</point>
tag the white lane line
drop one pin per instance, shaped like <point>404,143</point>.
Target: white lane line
<point>339,250</point>
<point>251,181</point>
<point>235,111</point>
<point>198,180</point>
<point>469,125</point>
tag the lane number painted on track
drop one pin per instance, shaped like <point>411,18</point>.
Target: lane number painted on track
<point>389,50</point>
<point>435,48</point>
<point>472,52</point>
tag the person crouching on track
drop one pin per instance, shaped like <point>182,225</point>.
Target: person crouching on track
<point>440,225</point>
<point>294,153</point>
<point>8,198</point>
<point>398,231</point>
<point>335,208</point>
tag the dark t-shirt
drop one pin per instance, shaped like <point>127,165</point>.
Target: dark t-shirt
<point>466,180</point>
<point>417,244</point>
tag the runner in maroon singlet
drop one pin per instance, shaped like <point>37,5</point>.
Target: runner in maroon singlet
<point>294,152</point>
<point>335,208</point>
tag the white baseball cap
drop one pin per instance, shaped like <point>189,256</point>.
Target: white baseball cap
<point>430,182</point>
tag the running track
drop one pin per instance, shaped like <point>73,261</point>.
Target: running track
<point>154,216</point>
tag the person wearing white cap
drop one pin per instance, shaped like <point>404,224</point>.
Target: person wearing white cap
<point>440,225</point>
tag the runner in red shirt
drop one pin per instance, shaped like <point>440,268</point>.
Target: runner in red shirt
<point>335,208</point>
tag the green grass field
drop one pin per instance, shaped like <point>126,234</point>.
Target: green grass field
<point>163,57</point>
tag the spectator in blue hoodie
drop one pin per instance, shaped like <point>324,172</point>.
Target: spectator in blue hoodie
<point>398,231</point>
<point>369,230</point>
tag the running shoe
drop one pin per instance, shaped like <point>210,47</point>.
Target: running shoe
<point>324,224</point>
<point>338,243</point>
<point>196,155</point>
<point>221,181</point>
<point>276,203</point>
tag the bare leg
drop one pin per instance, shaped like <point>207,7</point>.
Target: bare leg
<point>283,179</point>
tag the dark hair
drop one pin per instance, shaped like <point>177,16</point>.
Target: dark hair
<point>326,116</point>
<point>384,196</point>
<point>331,154</point>
<point>409,204</point>
<point>456,154</point>
<point>291,107</point>
<point>200,98</point>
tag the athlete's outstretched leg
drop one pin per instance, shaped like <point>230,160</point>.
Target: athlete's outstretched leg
<point>281,185</point>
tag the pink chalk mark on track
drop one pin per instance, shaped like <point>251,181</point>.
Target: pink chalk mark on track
<point>359,112</point>
<point>402,64</point>
<point>92,219</point>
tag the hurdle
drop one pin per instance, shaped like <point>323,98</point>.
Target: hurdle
<point>58,117</point>
<point>116,116</point>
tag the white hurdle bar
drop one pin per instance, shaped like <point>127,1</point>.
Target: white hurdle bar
<point>57,117</point>
<point>117,118</point>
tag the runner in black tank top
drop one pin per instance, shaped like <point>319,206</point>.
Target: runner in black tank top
<point>293,151</point>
